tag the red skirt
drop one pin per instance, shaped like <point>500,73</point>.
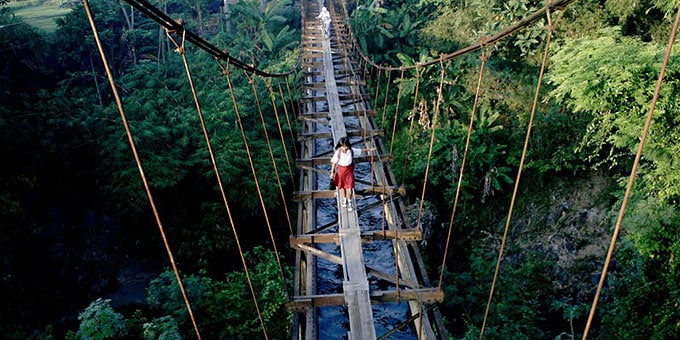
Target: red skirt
<point>344,178</point>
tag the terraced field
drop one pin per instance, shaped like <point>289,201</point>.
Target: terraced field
<point>41,14</point>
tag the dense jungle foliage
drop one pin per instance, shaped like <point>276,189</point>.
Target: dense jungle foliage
<point>605,59</point>
<point>81,255</point>
<point>77,227</point>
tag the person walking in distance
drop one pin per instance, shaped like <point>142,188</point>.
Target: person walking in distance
<point>325,18</point>
<point>342,170</point>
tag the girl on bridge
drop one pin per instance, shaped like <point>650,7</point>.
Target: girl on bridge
<point>343,162</point>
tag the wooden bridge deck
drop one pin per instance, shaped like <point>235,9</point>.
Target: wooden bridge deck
<point>329,84</point>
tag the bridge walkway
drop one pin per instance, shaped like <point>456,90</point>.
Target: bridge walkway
<point>335,105</point>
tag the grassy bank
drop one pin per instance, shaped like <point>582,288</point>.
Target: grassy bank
<point>41,14</point>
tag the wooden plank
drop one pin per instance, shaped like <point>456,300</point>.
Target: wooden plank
<point>319,194</point>
<point>352,133</point>
<point>313,239</point>
<point>314,99</point>
<point>391,278</point>
<point>349,82</point>
<point>319,253</point>
<point>342,97</point>
<point>312,195</point>
<point>424,295</point>
<point>316,70</point>
<point>349,113</point>
<point>314,120</point>
<point>360,159</point>
<point>406,235</point>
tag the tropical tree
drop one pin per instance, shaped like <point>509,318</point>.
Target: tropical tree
<point>227,306</point>
<point>100,321</point>
<point>386,30</point>
<point>610,79</point>
<point>263,31</point>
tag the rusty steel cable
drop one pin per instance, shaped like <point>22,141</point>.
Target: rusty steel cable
<point>377,90</point>
<point>272,95</point>
<point>254,172</point>
<point>546,53</point>
<point>271,151</point>
<point>410,128</point>
<point>526,21</point>
<point>462,166</point>
<point>226,72</point>
<point>440,91</point>
<point>295,116</point>
<point>294,109</point>
<point>396,110</point>
<point>633,174</point>
<point>387,96</point>
<point>131,141</point>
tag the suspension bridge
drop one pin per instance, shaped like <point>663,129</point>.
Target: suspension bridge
<point>329,238</point>
<point>335,105</point>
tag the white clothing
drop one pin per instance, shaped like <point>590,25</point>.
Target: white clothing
<point>344,158</point>
<point>325,16</point>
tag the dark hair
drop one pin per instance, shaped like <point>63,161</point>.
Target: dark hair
<point>343,141</point>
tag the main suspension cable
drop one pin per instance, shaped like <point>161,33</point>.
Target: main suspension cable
<point>172,25</point>
<point>526,21</point>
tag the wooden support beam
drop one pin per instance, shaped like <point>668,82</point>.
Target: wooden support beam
<point>319,253</point>
<point>311,195</point>
<point>390,278</point>
<point>348,96</point>
<point>425,295</point>
<point>340,82</point>
<point>391,190</point>
<point>324,114</point>
<point>316,71</point>
<point>351,133</point>
<point>315,86</point>
<point>405,235</point>
<point>322,86</point>
<point>314,64</point>
<point>318,194</point>
<point>313,239</point>
<point>300,303</point>
<point>327,160</point>
<point>314,120</point>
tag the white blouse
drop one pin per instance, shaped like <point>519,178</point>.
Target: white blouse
<point>344,158</point>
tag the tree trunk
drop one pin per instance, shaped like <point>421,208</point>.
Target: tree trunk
<point>96,82</point>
